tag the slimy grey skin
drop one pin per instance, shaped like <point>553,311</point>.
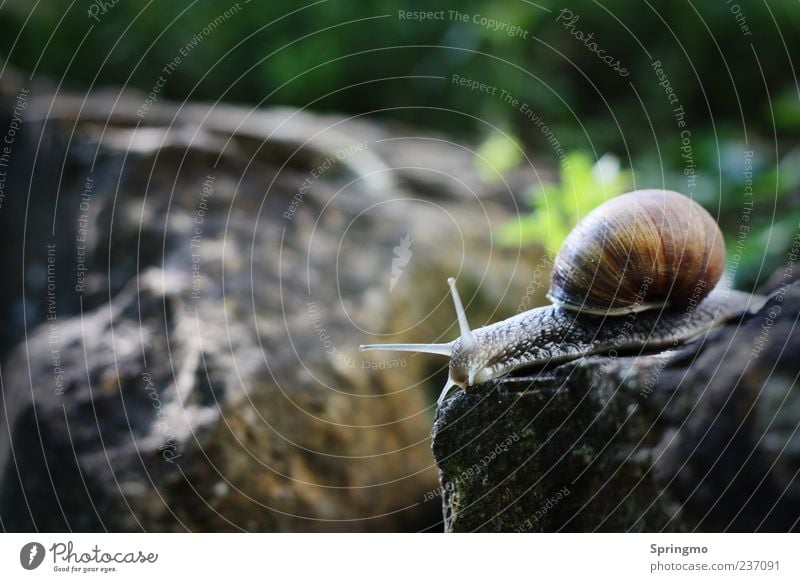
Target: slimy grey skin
<point>554,334</point>
<point>640,272</point>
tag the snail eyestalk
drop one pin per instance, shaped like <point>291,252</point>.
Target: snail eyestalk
<point>439,349</point>
<point>448,387</point>
<point>467,339</point>
<point>446,349</point>
<point>468,344</point>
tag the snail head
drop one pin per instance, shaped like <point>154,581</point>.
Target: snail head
<point>467,359</point>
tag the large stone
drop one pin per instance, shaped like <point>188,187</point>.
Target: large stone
<point>182,350</point>
<point>702,438</point>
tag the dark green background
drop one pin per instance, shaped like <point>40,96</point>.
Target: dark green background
<point>740,92</point>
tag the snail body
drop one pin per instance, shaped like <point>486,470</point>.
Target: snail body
<point>638,272</point>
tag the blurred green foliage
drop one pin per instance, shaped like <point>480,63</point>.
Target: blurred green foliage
<point>737,86</point>
<point>498,154</point>
<point>584,185</point>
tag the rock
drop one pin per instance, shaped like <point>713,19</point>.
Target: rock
<point>182,351</point>
<point>703,438</point>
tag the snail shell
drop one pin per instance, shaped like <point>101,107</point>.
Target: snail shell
<point>637,251</point>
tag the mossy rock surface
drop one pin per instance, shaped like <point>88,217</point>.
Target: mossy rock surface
<point>703,438</point>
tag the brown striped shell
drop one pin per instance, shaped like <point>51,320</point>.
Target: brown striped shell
<point>636,251</point>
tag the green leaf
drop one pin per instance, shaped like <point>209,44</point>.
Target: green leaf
<point>496,156</point>
<point>556,208</point>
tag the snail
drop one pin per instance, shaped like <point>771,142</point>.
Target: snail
<point>640,271</point>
